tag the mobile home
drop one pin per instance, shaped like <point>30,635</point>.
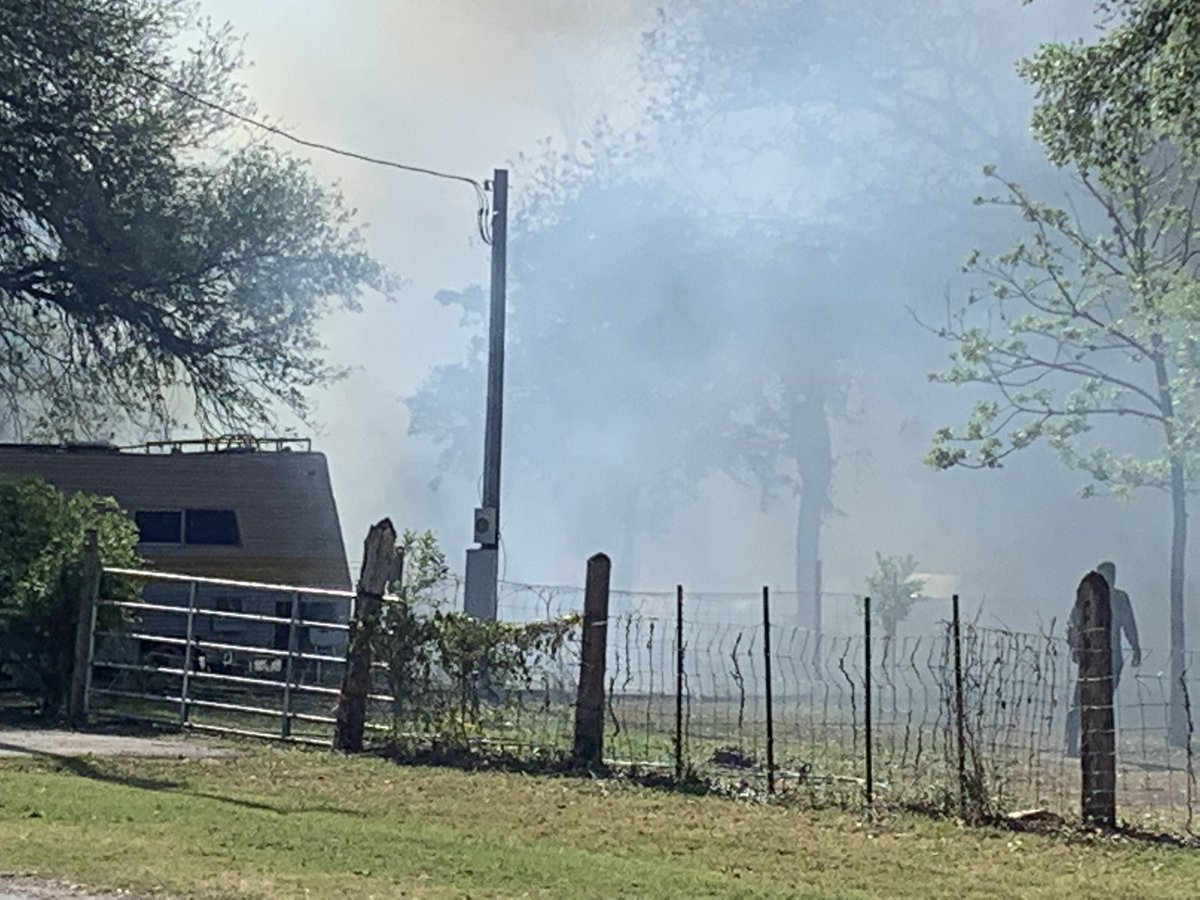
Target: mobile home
<point>242,508</point>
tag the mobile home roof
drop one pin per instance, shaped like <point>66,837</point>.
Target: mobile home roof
<point>286,514</point>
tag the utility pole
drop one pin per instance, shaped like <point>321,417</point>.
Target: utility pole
<point>479,593</point>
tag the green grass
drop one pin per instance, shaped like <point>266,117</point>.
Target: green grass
<point>912,767</point>
<point>284,822</point>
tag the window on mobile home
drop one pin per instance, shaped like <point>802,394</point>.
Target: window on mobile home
<point>159,526</point>
<point>212,526</point>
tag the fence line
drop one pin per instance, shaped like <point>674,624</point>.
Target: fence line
<point>1008,741</point>
<point>761,701</point>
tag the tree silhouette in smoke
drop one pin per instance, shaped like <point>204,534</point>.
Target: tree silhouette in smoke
<point>694,294</point>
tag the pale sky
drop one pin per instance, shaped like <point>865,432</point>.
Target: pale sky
<point>457,86</point>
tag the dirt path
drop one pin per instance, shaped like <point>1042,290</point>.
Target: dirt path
<point>32,742</point>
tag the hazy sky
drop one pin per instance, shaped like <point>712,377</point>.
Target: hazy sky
<point>447,85</point>
<point>467,86</point>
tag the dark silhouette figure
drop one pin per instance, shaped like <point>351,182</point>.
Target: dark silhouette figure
<point>1122,621</point>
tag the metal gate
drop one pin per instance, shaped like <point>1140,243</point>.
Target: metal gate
<point>223,656</point>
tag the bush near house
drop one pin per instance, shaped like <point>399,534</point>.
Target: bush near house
<point>41,537</point>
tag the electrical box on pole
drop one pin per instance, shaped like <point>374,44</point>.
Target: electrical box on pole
<point>482,561</point>
<point>485,525</point>
<point>479,590</point>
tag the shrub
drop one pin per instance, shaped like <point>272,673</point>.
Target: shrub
<point>41,536</point>
<point>893,591</point>
<point>444,668</point>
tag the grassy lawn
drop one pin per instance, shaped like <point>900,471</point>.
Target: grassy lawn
<point>279,822</point>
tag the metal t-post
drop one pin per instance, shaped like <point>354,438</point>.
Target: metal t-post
<point>190,636</point>
<point>289,671</point>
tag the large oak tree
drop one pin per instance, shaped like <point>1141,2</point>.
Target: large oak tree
<point>151,254</point>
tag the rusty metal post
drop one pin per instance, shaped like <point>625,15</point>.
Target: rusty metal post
<point>589,703</point>
<point>959,711</point>
<point>679,682</point>
<point>870,785</point>
<point>766,612</point>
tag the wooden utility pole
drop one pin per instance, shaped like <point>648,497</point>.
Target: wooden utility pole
<point>378,567</point>
<point>479,593</point>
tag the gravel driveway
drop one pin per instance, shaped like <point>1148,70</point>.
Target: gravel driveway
<point>25,742</point>
<point>22,887</point>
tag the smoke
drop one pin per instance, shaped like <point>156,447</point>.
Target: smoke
<point>870,148</point>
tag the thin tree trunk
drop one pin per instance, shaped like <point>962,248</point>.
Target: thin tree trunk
<point>1178,713</point>
<point>814,463</point>
<point>808,551</point>
<point>1177,726</point>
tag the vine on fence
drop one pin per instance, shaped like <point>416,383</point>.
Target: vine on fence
<point>446,671</point>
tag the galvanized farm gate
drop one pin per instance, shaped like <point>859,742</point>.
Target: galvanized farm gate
<point>218,655</point>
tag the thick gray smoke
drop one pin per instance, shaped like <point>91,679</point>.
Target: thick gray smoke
<point>724,213</point>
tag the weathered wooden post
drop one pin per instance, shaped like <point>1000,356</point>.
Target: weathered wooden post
<point>1098,746</point>
<point>589,704</point>
<point>89,593</point>
<point>379,551</point>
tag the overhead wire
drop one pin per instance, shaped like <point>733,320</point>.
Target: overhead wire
<point>481,192</point>
<point>481,195</point>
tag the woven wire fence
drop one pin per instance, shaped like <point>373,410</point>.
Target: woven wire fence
<point>689,694</point>
<point>705,711</point>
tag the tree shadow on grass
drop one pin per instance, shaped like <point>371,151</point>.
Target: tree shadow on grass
<point>84,767</point>
<point>87,767</point>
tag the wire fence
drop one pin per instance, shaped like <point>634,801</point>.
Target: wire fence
<point>1017,693</point>
<point>840,716</point>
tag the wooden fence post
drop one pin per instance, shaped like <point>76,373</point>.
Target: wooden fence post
<point>379,551</point>
<point>589,704</point>
<point>89,593</point>
<point>1098,756</point>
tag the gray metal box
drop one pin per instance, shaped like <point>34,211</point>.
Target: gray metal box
<point>479,592</point>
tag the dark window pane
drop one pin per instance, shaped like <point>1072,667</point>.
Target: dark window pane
<point>158,526</point>
<point>211,526</point>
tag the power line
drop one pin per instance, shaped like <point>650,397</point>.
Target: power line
<point>480,191</point>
